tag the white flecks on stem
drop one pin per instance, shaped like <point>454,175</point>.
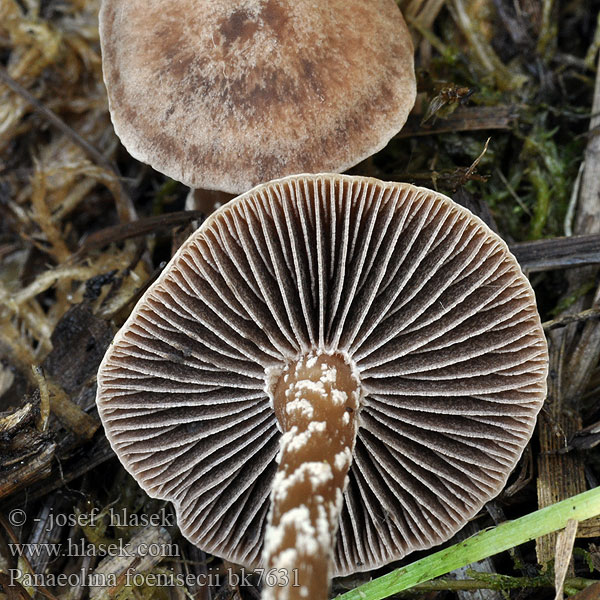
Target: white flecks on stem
<point>317,473</point>
<point>329,374</point>
<point>301,405</point>
<point>317,426</point>
<point>306,385</point>
<point>338,397</point>
<point>298,441</point>
<point>342,459</point>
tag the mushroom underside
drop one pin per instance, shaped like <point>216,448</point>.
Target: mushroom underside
<point>427,305</point>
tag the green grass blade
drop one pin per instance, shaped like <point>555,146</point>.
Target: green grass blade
<point>480,546</point>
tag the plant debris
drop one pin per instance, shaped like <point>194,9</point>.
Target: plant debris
<point>506,122</point>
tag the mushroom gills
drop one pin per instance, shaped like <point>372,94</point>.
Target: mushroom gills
<point>316,401</point>
<point>434,337</point>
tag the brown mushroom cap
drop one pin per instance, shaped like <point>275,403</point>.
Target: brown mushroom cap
<point>424,301</point>
<point>224,95</point>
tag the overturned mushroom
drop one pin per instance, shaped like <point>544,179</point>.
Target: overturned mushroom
<point>332,372</point>
<point>223,94</point>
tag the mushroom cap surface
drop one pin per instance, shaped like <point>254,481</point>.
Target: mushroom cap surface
<point>225,95</point>
<point>427,304</point>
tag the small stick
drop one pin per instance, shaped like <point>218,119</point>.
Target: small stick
<point>585,315</point>
<point>557,253</point>
<point>464,118</point>
<point>139,228</point>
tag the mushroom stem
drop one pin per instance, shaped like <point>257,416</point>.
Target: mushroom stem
<point>316,400</point>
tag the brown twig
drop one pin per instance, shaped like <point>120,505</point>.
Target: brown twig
<point>141,227</point>
<point>558,253</point>
<point>471,118</point>
<point>585,315</point>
